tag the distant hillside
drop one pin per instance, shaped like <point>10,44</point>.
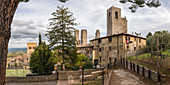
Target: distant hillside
<point>16,49</point>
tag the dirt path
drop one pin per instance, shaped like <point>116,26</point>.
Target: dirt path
<point>123,77</point>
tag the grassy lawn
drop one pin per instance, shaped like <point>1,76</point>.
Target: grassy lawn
<point>151,64</point>
<point>17,72</point>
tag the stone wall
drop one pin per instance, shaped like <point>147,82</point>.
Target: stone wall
<point>142,70</point>
<point>63,75</point>
<point>31,78</point>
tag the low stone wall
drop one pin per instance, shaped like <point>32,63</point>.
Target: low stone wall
<point>31,78</point>
<point>62,75</point>
<point>142,70</point>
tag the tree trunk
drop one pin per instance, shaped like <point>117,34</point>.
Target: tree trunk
<point>7,10</point>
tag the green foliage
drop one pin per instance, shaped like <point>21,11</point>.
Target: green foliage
<point>60,31</point>
<point>149,35</point>
<point>39,62</point>
<point>135,4</point>
<point>84,61</point>
<point>164,38</point>
<point>14,54</point>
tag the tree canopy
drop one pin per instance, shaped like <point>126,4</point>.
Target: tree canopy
<point>164,38</point>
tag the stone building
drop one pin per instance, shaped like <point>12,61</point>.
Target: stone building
<point>115,23</point>
<point>118,43</point>
<point>22,61</point>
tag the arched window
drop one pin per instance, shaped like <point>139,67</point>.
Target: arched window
<point>116,15</point>
<point>109,14</point>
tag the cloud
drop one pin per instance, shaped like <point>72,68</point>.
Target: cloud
<point>32,18</point>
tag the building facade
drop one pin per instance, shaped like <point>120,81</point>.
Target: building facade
<point>22,61</point>
<point>118,43</point>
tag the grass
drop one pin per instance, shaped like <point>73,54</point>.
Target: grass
<point>151,64</point>
<point>16,72</point>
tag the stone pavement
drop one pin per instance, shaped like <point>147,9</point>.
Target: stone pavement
<point>123,77</point>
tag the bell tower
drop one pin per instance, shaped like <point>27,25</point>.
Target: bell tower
<point>115,23</point>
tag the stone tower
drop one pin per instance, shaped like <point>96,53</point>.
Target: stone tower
<point>31,47</point>
<point>115,23</point>
<point>97,34</point>
<point>76,34</point>
<point>83,37</point>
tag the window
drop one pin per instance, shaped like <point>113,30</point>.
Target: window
<point>100,59</point>
<point>110,48</point>
<point>129,38</point>
<point>134,38</point>
<point>139,40</point>
<point>103,59</point>
<point>109,14</point>
<point>126,37</point>
<point>33,47</point>
<point>110,39</point>
<point>99,41</point>
<point>116,15</point>
<point>134,48</point>
<point>110,59</point>
<point>128,48</point>
<point>29,47</point>
<point>100,49</point>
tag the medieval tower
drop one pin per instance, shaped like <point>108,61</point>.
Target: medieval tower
<point>83,37</point>
<point>115,23</point>
<point>97,35</point>
<point>76,34</point>
<point>31,47</point>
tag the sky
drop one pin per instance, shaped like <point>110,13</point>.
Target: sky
<point>32,18</point>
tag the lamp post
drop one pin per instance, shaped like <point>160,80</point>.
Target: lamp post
<point>56,71</point>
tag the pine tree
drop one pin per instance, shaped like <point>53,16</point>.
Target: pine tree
<point>60,31</point>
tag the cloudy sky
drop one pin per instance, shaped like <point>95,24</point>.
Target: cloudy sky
<point>32,18</point>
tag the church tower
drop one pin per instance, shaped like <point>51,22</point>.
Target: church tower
<point>115,23</point>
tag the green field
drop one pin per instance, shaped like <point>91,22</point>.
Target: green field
<point>17,72</point>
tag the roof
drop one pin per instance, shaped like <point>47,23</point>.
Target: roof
<point>81,46</point>
<point>118,35</point>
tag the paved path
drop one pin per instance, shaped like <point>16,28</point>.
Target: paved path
<point>122,77</point>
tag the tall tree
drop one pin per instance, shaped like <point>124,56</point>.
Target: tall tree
<point>7,11</point>
<point>39,62</point>
<point>60,31</point>
<point>149,35</point>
